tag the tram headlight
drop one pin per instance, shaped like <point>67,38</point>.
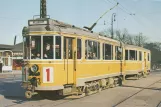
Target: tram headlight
<point>34,68</point>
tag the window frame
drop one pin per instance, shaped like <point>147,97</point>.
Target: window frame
<point>135,59</point>
<point>61,47</point>
<point>136,55</point>
<point>148,56</point>
<point>86,54</point>
<point>140,56</point>
<point>103,51</point>
<point>116,53</point>
<point>81,49</point>
<point>42,46</point>
<point>128,54</point>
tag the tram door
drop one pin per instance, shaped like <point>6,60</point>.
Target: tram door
<point>69,58</point>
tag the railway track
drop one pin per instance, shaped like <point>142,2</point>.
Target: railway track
<point>61,101</point>
<point>144,88</point>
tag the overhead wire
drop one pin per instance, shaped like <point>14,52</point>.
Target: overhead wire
<point>124,10</point>
<point>118,6</point>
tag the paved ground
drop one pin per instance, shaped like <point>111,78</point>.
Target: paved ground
<point>134,93</point>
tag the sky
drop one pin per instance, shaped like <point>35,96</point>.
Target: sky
<point>14,15</point>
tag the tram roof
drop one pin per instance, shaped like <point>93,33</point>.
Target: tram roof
<point>59,26</point>
<point>136,47</point>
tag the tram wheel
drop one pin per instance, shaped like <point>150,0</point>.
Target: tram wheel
<point>28,94</point>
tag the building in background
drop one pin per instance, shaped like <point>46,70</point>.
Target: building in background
<point>17,56</point>
<point>15,59</point>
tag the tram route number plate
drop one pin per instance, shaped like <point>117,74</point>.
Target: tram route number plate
<point>48,74</point>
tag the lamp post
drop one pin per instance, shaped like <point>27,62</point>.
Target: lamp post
<point>112,20</point>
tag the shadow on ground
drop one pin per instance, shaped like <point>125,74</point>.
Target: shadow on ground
<point>11,89</point>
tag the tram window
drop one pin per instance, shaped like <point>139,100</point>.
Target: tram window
<point>107,52</point>
<point>58,47</point>
<point>126,55</point>
<point>103,51</point>
<point>140,56</point>
<point>36,47</point>
<point>118,53</point>
<point>93,49</point>
<point>64,48</point>
<point>98,50</point>
<point>69,48</point>
<point>86,42</point>
<point>132,55</point>
<point>79,50</point>
<point>48,47</point>
<point>136,55</point>
<point>148,57</point>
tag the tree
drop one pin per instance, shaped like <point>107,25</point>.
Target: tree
<point>105,32</point>
<point>126,38</point>
<point>140,40</point>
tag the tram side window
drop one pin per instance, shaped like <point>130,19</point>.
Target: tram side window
<point>140,56</point>
<point>58,47</point>
<point>98,50</point>
<point>148,57</point>
<point>86,56</point>
<point>36,47</point>
<point>48,47</point>
<point>92,50</point>
<point>136,57</point>
<point>132,55</point>
<point>118,53</point>
<point>126,55</point>
<point>79,50</point>
<point>107,52</point>
<point>69,55</point>
<point>70,49</point>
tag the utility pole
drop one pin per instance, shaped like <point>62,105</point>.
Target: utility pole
<point>112,19</point>
<point>43,12</point>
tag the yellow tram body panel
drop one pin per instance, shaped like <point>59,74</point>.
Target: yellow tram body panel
<point>88,69</point>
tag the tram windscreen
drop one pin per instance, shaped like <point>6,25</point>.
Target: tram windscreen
<point>36,47</point>
<point>45,47</point>
<point>51,47</point>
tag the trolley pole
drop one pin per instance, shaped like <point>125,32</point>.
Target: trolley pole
<point>112,20</point>
<point>43,12</point>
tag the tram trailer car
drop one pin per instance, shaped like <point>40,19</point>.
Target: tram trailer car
<point>68,60</point>
<point>137,61</point>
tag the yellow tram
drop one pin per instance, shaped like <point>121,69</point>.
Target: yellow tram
<point>60,57</point>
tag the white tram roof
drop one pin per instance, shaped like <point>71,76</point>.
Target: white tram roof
<point>135,47</point>
<point>69,29</point>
